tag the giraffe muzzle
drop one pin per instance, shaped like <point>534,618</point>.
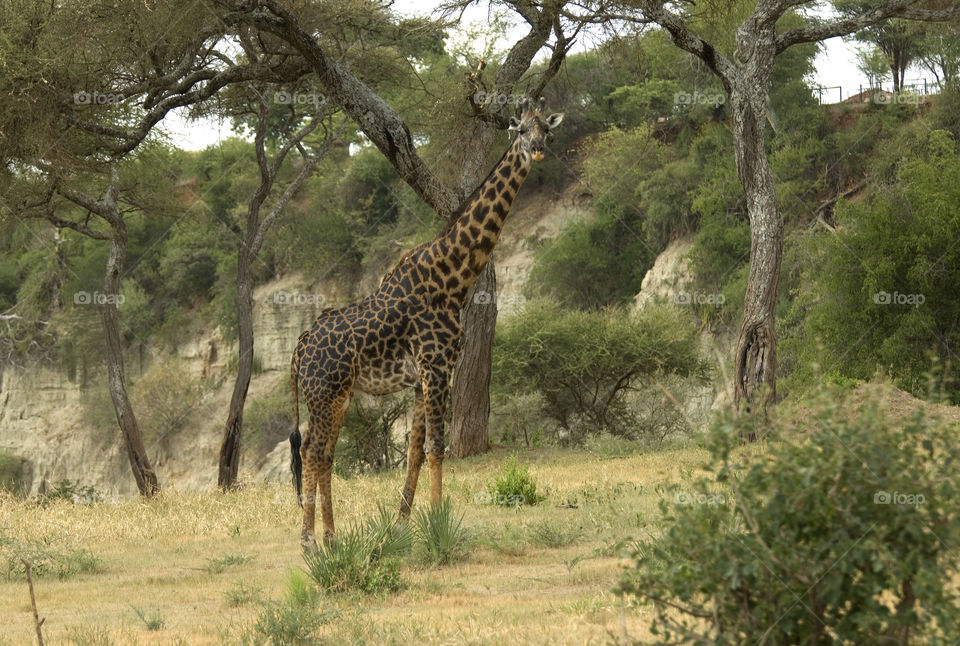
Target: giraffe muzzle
<point>537,155</point>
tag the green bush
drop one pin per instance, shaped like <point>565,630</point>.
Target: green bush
<point>514,486</point>
<point>163,399</point>
<point>294,621</point>
<point>585,363</point>
<point>366,442</point>
<point>881,289</point>
<point>838,533</point>
<point>11,473</point>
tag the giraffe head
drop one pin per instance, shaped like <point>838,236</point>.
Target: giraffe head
<point>533,129</point>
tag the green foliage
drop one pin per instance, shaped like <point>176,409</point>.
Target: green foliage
<point>362,558</point>
<point>514,486</point>
<point>11,473</point>
<point>366,442</point>
<point>152,620</point>
<point>585,363</point>
<point>844,527</point>
<point>70,491</point>
<point>164,398</point>
<point>220,564</point>
<point>882,286</point>
<point>46,559</point>
<point>440,533</point>
<point>552,534</point>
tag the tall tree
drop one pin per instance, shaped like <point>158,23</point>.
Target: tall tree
<point>745,75</point>
<point>391,135</point>
<point>75,108</point>
<point>253,234</point>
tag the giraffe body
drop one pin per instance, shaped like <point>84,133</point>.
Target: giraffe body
<point>404,335</point>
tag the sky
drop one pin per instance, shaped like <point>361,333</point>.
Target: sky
<point>835,66</point>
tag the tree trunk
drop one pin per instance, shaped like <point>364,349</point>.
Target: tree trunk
<point>470,387</point>
<point>471,384</point>
<point>755,361</point>
<point>232,432</point>
<point>142,470</point>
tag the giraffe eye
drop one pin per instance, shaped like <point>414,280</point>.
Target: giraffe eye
<point>523,130</point>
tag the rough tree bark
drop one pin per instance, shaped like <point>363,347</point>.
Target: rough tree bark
<point>256,230</point>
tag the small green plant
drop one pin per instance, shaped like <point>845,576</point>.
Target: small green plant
<point>440,532</point>
<point>515,486</point>
<point>364,558</point>
<point>288,623</point>
<point>153,621</point>
<point>242,594</point>
<point>220,564</point>
<point>70,491</point>
<point>548,533</point>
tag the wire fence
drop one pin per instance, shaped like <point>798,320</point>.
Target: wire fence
<point>911,91</point>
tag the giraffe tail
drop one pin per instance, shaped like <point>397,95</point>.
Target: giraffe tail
<point>296,464</point>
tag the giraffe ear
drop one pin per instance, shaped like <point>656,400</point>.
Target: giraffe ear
<point>514,124</point>
<point>554,120</point>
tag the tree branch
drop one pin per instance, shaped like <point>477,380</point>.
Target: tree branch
<point>852,24</point>
<point>379,121</point>
<point>687,41</point>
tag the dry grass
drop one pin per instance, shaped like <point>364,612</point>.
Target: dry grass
<point>512,587</point>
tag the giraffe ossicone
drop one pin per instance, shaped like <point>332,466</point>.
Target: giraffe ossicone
<point>404,335</point>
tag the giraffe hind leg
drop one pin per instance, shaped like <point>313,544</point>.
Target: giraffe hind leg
<point>317,459</point>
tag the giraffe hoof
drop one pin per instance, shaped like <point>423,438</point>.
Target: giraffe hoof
<point>308,543</point>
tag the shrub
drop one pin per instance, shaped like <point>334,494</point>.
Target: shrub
<point>11,473</point>
<point>164,398</point>
<point>882,287</point>
<point>585,363</point>
<point>514,486</point>
<point>363,558</point>
<point>440,532</point>
<point>840,533</point>
<point>366,441</point>
<point>294,621</point>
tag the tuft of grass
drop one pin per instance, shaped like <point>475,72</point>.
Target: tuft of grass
<point>153,621</point>
<point>363,558</point>
<point>242,594</point>
<point>46,560</point>
<point>551,534</point>
<point>514,486</point>
<point>90,636</point>
<point>220,564</point>
<point>441,533</point>
<point>294,621</point>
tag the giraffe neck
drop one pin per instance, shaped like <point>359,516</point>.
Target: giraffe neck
<point>467,244</point>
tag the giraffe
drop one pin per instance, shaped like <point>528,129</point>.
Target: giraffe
<point>406,334</point>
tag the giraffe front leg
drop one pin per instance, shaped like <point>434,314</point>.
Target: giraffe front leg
<point>414,454</point>
<point>436,387</point>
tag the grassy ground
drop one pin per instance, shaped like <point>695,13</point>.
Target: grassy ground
<point>195,568</point>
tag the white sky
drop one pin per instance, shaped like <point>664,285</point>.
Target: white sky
<point>835,66</point>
